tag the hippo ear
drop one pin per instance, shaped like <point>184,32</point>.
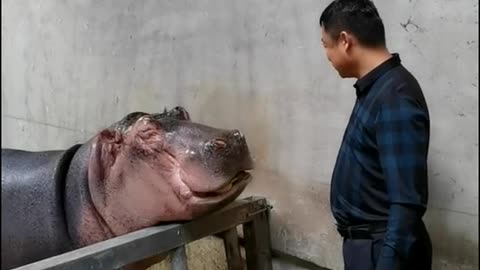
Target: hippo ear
<point>180,113</point>
<point>104,152</point>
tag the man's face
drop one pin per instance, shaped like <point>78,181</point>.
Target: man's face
<point>336,50</point>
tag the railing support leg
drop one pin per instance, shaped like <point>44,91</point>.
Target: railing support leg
<point>179,259</point>
<point>257,243</point>
<point>232,250</point>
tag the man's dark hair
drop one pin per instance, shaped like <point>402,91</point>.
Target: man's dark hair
<point>358,17</point>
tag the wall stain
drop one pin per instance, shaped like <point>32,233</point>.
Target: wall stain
<point>414,27</point>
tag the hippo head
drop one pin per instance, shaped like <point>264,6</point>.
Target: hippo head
<point>152,168</point>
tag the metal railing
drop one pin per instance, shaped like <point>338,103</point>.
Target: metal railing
<point>252,213</point>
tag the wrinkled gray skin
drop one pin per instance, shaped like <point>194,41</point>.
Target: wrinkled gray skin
<point>141,171</point>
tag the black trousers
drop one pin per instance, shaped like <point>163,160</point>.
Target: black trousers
<point>363,254</point>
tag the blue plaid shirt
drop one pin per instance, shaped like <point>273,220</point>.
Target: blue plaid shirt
<point>381,169</point>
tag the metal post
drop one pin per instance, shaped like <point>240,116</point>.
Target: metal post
<point>232,250</point>
<point>179,259</point>
<point>257,242</point>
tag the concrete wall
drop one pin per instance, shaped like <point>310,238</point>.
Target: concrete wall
<point>70,68</point>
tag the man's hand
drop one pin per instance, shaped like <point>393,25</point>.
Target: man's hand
<point>389,260</point>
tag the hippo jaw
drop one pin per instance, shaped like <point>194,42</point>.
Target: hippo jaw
<point>165,169</point>
<point>221,195</point>
<point>238,181</point>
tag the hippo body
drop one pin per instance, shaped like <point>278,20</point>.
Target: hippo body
<point>33,215</point>
<point>141,171</point>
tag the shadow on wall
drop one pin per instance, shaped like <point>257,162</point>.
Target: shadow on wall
<point>302,228</point>
<point>444,240</point>
<point>295,229</point>
<point>451,231</point>
<point>301,222</point>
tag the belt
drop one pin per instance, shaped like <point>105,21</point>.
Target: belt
<point>365,231</point>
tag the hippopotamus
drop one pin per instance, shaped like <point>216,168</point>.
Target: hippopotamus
<point>144,170</point>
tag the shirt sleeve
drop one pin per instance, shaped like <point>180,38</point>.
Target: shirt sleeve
<point>402,132</point>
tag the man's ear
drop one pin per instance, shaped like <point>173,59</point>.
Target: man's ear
<point>104,151</point>
<point>345,40</point>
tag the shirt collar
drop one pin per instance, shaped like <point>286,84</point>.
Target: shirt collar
<point>363,84</point>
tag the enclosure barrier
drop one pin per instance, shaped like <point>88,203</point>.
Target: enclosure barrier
<point>252,213</point>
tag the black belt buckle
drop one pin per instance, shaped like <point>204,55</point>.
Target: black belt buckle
<point>349,232</point>
<point>359,233</point>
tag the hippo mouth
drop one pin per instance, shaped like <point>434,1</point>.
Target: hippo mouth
<point>238,180</point>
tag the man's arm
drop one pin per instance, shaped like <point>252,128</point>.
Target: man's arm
<point>402,130</point>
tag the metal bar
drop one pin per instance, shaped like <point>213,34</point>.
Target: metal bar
<point>232,250</point>
<point>120,251</point>
<point>179,259</point>
<point>257,242</point>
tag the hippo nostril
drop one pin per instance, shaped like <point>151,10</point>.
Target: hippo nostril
<point>219,143</point>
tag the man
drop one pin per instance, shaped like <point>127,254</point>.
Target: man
<point>379,185</point>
